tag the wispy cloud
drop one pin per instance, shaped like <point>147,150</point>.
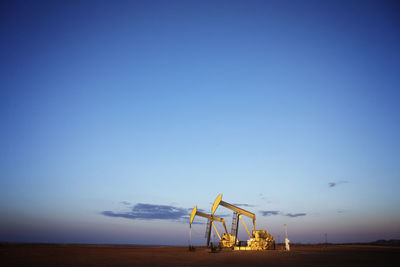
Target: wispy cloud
<point>243,205</point>
<point>333,184</point>
<point>125,203</point>
<point>142,211</point>
<point>276,212</point>
<point>269,212</point>
<point>293,215</point>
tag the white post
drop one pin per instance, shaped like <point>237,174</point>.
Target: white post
<point>286,239</point>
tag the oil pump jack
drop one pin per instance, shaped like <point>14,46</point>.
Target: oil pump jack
<point>227,240</point>
<point>259,239</point>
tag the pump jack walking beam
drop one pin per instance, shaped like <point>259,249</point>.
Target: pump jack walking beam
<point>218,201</point>
<point>240,211</point>
<point>212,218</point>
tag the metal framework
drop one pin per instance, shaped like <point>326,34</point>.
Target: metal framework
<point>211,219</point>
<point>258,239</point>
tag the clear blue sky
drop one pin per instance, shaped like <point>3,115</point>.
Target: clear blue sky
<point>117,117</point>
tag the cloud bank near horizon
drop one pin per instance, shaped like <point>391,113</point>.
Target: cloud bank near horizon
<point>144,211</point>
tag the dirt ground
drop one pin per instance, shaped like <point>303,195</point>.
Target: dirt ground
<point>102,255</point>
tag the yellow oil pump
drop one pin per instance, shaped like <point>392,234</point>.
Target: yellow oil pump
<point>259,239</point>
<point>226,240</point>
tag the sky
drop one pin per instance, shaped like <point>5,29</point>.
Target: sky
<point>118,117</point>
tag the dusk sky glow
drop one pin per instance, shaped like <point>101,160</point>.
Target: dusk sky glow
<point>119,116</point>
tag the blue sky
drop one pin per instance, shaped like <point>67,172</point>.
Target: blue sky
<point>119,116</point>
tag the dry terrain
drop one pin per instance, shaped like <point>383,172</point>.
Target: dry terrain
<point>104,255</point>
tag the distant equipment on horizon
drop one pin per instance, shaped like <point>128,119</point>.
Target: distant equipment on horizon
<point>258,239</point>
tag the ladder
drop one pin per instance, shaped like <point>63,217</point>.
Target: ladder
<point>235,220</point>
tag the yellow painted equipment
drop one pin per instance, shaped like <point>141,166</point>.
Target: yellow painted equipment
<point>227,240</point>
<point>259,239</point>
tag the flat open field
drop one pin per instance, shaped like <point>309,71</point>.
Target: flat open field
<point>103,255</point>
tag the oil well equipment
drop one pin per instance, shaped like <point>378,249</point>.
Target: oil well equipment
<point>226,240</point>
<point>258,239</point>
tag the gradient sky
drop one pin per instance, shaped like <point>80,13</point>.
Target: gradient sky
<point>117,117</point>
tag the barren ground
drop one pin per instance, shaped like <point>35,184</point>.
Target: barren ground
<point>103,255</point>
